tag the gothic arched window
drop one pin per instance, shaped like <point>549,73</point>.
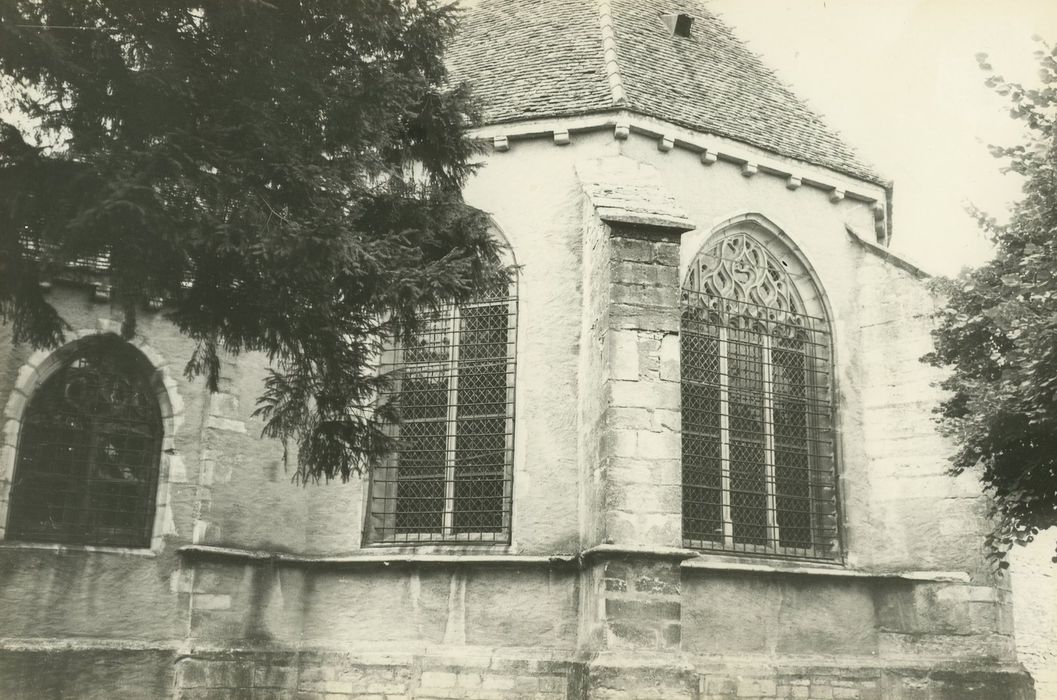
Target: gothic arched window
<point>450,477</point>
<point>88,452</point>
<point>758,452</point>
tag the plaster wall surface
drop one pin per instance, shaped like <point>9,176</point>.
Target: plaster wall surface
<point>564,627</point>
<point>1034,580</point>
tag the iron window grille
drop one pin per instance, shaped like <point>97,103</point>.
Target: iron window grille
<point>88,453</point>
<point>450,478</point>
<point>757,415</point>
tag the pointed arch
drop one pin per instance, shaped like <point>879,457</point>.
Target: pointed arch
<point>759,457</point>
<point>450,478</point>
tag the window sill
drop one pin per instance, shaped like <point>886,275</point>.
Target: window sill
<point>393,556</point>
<point>57,548</point>
<point>713,563</point>
<point>503,556</point>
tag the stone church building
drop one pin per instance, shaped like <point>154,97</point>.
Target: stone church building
<point>690,455</point>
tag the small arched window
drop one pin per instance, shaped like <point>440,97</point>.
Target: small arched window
<point>88,452</point>
<point>450,478</point>
<point>757,402</point>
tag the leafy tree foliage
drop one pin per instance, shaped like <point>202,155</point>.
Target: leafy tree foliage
<point>998,332</point>
<point>285,174</point>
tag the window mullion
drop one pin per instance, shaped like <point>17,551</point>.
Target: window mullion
<point>510,362</point>
<point>724,439</point>
<point>451,424</point>
<point>768,440</point>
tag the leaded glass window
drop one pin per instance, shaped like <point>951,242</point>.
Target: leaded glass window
<point>449,479</point>
<point>88,452</point>
<point>758,453</point>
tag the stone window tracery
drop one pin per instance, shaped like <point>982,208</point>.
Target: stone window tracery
<point>758,456</point>
<point>87,467</point>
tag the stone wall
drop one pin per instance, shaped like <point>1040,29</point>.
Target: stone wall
<point>1034,584</point>
<point>396,676</point>
<point>255,587</point>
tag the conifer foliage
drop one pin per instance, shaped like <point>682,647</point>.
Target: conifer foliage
<point>284,174</point>
<point>998,332</point>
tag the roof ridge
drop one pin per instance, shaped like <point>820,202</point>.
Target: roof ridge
<point>609,54</point>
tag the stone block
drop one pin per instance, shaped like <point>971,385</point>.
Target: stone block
<point>821,692</point>
<point>666,253</point>
<point>670,358</point>
<point>203,673</point>
<point>16,403</point>
<point>642,317</point>
<point>344,687</point>
<point>643,497</point>
<point>439,679</point>
<point>720,686</point>
<point>644,471</point>
<point>622,635</point>
<point>226,425</point>
<point>210,601</point>
<point>271,676</point>
<point>495,682</point>
<point>9,435</point>
<point>552,684</point>
<point>638,295</point>
<point>633,249</point>
<point>664,445</point>
<point>631,418</point>
<point>191,673</point>
<point>623,355</point>
<point>756,687</point>
<point>644,528</point>
<point>657,577</point>
<point>224,406</point>
<point>619,443</point>
<point>672,636</point>
<point>655,395</point>
<point>647,274</point>
<point>529,684</point>
<point>645,613</point>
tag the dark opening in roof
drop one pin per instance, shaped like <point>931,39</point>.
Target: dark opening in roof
<point>679,24</point>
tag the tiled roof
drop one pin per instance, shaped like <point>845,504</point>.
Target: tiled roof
<point>529,59</point>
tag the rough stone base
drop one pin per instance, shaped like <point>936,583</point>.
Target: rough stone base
<point>330,676</point>
<point>293,675</point>
<point>101,674</point>
<point>811,684</point>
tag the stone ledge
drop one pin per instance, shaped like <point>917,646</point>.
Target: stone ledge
<point>688,558</point>
<point>625,191</point>
<point>793,568</point>
<point>370,560</point>
<point>619,215</point>
<point>609,551</point>
<point>75,549</point>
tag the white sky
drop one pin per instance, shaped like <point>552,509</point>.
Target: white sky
<point>899,79</point>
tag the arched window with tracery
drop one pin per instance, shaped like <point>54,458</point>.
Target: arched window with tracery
<point>88,452</point>
<point>757,402</point>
